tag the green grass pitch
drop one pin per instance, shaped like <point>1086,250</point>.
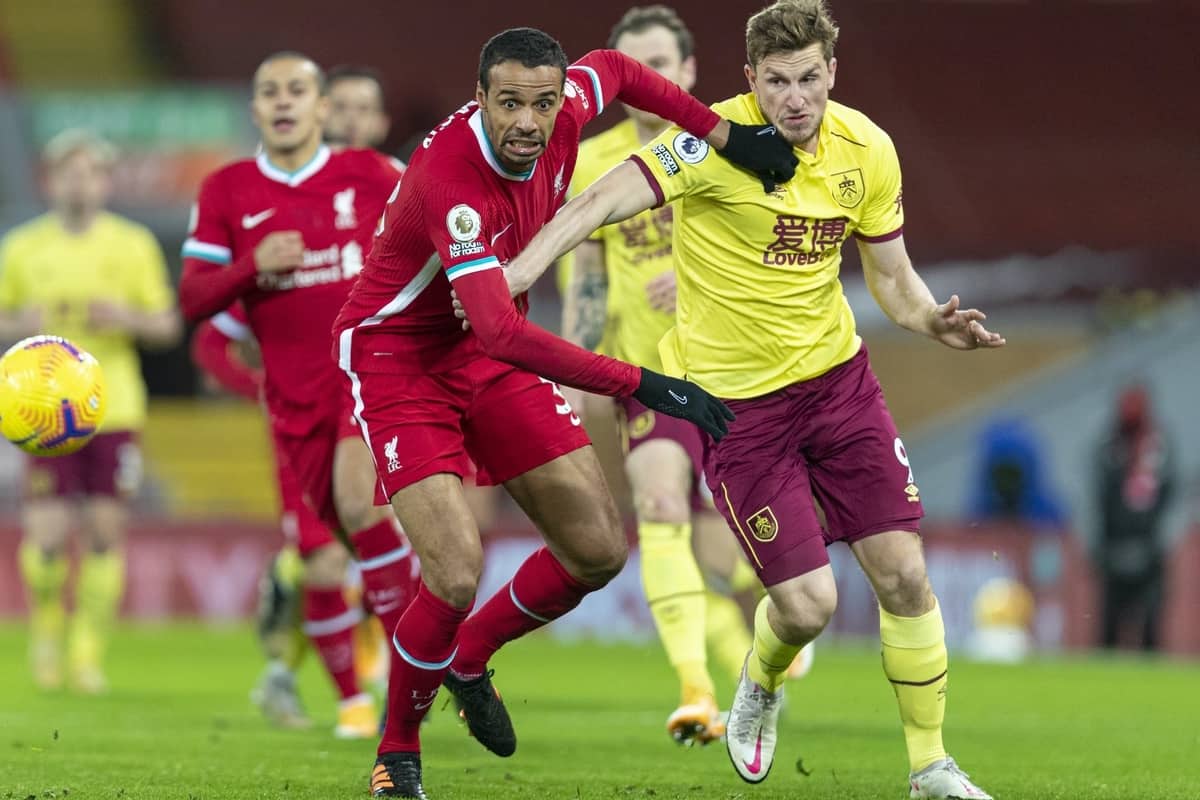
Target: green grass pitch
<point>589,719</point>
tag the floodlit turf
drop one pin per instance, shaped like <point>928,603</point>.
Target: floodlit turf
<point>589,720</point>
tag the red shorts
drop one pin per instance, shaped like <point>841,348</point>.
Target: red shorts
<point>830,437</point>
<point>310,457</point>
<point>110,465</point>
<point>505,420</point>
<point>641,424</point>
<point>301,525</point>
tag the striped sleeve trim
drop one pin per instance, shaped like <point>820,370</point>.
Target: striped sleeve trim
<point>471,267</point>
<point>887,237</point>
<point>215,253</point>
<point>595,86</point>
<point>659,197</point>
<point>232,328</point>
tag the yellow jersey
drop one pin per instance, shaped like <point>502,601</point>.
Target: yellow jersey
<point>42,265</point>
<point>760,305</point>
<point>636,251</point>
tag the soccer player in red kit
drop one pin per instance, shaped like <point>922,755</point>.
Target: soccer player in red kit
<point>429,395</point>
<point>286,233</point>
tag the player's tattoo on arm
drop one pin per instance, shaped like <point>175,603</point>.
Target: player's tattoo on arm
<point>586,304</point>
<point>591,302</point>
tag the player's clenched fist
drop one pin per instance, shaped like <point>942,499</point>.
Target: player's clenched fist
<point>279,251</point>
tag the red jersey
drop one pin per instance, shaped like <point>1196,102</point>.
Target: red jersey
<point>459,215</point>
<point>334,202</point>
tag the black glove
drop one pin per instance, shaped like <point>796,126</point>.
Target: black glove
<point>760,149</point>
<point>685,400</point>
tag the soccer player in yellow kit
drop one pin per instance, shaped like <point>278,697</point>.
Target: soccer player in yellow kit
<point>622,296</point>
<point>101,281</point>
<point>763,323</point>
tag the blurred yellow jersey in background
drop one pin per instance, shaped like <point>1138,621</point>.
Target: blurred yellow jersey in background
<point>636,251</point>
<point>42,265</point>
<point>760,305</point>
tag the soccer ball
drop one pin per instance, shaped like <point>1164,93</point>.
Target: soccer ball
<point>51,396</point>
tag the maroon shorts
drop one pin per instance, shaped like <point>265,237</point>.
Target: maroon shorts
<point>505,420</point>
<point>640,424</point>
<point>309,458</point>
<point>301,524</point>
<point>831,438</point>
<point>110,465</point>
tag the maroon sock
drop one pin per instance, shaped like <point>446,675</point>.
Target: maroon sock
<point>329,624</point>
<point>541,590</point>
<point>390,571</point>
<point>422,649</point>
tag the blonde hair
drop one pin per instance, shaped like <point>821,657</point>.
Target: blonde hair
<point>67,143</point>
<point>790,25</point>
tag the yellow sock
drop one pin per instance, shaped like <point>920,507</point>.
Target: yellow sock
<point>97,597</point>
<point>771,657</point>
<point>44,579</point>
<point>726,633</point>
<point>675,591</point>
<point>743,578</point>
<point>914,660</point>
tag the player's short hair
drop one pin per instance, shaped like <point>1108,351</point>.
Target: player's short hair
<point>533,48</point>
<point>641,18</point>
<point>790,25</point>
<point>349,72</point>
<point>279,55</point>
<point>67,143</point>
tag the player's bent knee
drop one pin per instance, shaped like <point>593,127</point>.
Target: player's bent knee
<point>905,590</point>
<point>805,610</point>
<point>600,562</point>
<point>663,505</point>
<point>325,567</point>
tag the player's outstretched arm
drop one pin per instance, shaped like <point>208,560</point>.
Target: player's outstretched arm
<point>508,336</point>
<point>757,148</point>
<point>619,194</point>
<point>907,301</point>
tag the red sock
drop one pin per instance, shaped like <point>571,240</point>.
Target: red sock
<point>329,624</point>
<point>422,649</point>
<point>390,571</point>
<point>541,590</point>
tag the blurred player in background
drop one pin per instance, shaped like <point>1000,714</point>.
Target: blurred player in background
<point>99,280</point>
<point>286,234</point>
<point>621,300</point>
<point>763,321</point>
<point>357,111</point>
<point>430,398</point>
<point>357,118</point>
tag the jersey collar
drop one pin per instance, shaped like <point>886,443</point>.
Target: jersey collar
<point>489,154</point>
<point>320,159</point>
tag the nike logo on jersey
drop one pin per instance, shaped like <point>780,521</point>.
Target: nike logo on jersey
<point>503,231</point>
<point>250,221</point>
<point>681,399</point>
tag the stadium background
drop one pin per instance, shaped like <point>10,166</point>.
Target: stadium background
<point>1049,153</point>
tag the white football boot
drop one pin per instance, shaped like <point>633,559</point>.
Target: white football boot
<point>751,729</point>
<point>943,780</point>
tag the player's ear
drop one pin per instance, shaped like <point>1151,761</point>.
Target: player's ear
<point>687,73</point>
<point>749,70</point>
<point>832,71</point>
<point>323,107</point>
<point>480,95</point>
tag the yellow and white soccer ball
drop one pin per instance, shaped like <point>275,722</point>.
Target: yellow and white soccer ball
<point>51,396</point>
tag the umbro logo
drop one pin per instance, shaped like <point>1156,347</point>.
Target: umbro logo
<point>250,221</point>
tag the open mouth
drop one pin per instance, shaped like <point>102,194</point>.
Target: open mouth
<point>523,148</point>
<point>283,125</point>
